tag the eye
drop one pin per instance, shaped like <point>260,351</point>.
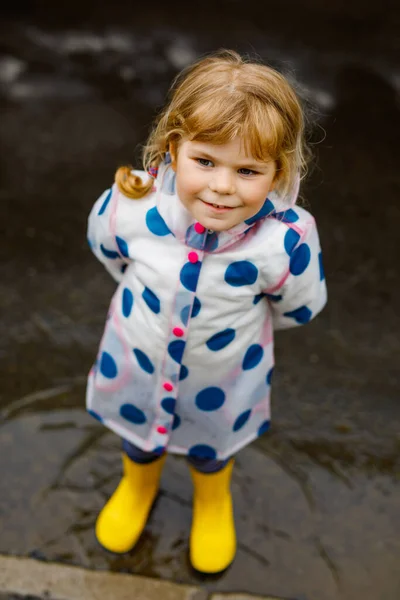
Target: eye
<point>247,172</point>
<point>204,162</point>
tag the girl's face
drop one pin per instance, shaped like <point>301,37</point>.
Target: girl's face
<point>220,185</point>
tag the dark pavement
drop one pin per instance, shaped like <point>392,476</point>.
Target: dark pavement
<point>317,499</point>
<point>19,597</point>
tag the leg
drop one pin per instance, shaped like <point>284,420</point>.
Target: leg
<point>124,517</point>
<point>213,537</point>
<point>207,465</point>
<point>138,455</point>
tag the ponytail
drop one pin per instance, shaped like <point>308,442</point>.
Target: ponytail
<point>131,185</point>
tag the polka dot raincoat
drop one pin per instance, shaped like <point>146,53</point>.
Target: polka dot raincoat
<point>187,355</point>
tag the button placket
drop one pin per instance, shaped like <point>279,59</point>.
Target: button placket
<point>178,331</point>
<point>199,228</point>
<point>193,257</point>
<point>172,370</point>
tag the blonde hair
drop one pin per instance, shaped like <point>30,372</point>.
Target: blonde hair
<point>222,96</point>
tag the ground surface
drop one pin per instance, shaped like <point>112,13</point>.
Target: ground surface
<point>317,499</point>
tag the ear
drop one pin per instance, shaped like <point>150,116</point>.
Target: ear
<point>173,153</point>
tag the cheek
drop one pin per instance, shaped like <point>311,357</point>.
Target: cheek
<point>187,183</point>
<point>255,201</point>
<point>256,196</point>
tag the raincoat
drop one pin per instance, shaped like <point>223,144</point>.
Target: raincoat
<point>187,355</point>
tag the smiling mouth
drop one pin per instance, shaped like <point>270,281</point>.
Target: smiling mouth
<point>218,205</point>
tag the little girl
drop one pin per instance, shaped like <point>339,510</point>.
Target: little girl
<point>211,254</point>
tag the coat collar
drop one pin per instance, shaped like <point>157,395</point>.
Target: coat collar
<point>182,224</point>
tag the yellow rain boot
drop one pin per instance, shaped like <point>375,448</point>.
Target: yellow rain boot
<point>124,517</point>
<point>213,537</point>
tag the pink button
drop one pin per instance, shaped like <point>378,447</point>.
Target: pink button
<point>162,429</point>
<point>178,331</point>
<point>193,257</point>
<point>199,228</point>
<point>168,386</point>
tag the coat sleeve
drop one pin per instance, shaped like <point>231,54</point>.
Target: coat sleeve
<point>303,293</point>
<point>103,240</point>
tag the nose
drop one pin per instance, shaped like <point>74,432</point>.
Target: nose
<point>222,182</point>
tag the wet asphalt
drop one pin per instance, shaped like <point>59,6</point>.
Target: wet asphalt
<point>317,499</point>
<point>19,597</point>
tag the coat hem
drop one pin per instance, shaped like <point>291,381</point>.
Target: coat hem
<point>171,449</point>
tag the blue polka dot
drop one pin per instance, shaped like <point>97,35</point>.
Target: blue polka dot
<point>196,307</point>
<point>274,298</point>
<point>290,241</point>
<point>168,404</point>
<point>258,297</point>
<point>151,300</point>
<point>189,275</point>
<point>186,310</point>
<point>108,367</point>
<point>211,242</point>
<point>301,315</point>
<point>241,420</point>
<point>221,339</point>
<point>287,216</point>
<point>264,427</point>
<point>183,373</point>
<point>105,203</point>
<point>321,267</point>
<point>176,349</point>
<point>252,357</point>
<point>144,361</point>
<point>269,376</point>
<point>123,246</point>
<point>300,259</point>
<point>133,414</point>
<point>95,415</point>
<point>176,422</point>
<point>211,398</point>
<point>266,209</point>
<point>109,253</point>
<point>156,223</point>
<point>242,272</point>
<point>127,302</point>
<point>202,451</point>
<point>185,314</point>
